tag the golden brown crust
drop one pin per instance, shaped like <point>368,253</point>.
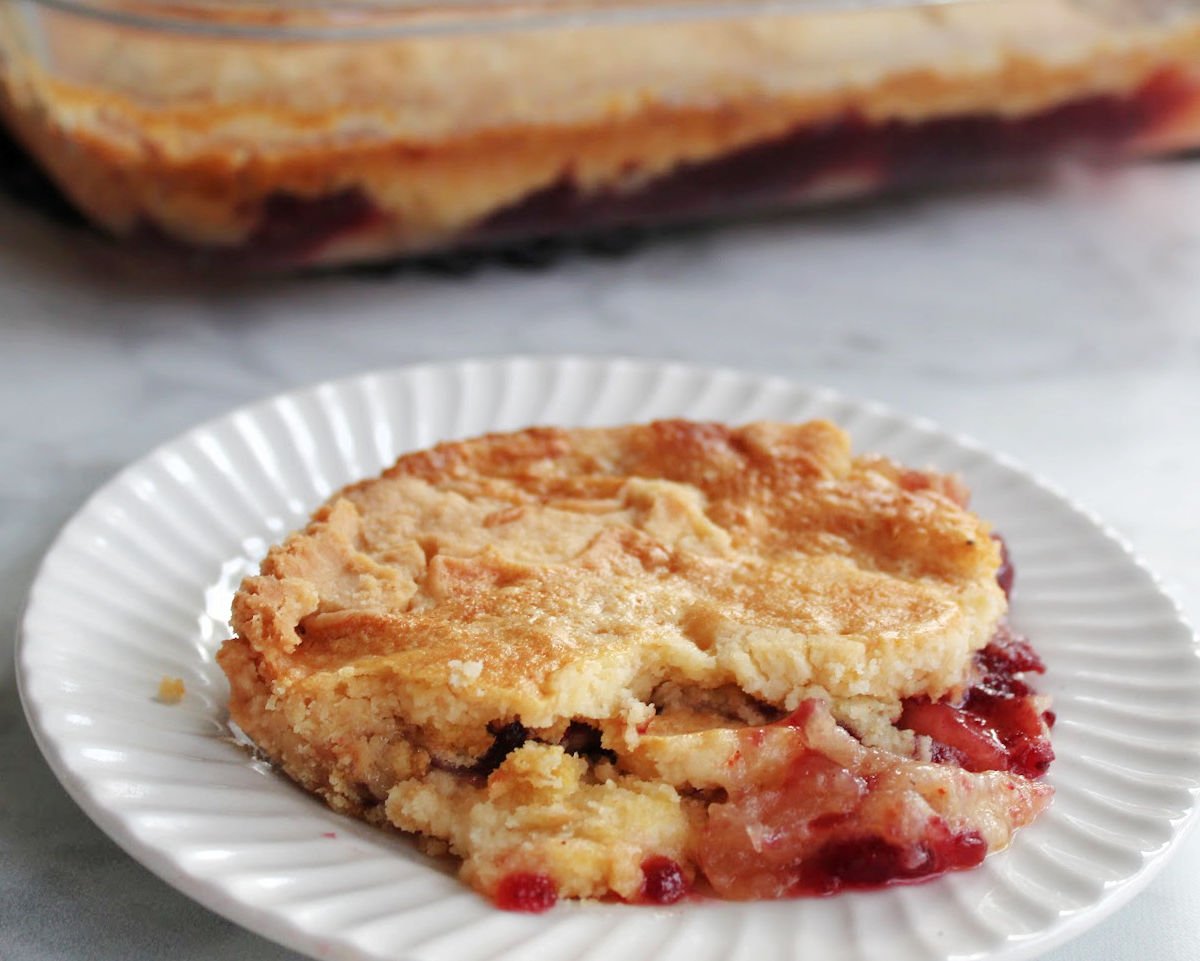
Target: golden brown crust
<point>551,575</point>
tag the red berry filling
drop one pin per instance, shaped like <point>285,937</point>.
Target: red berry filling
<point>664,882</point>
<point>959,736</point>
<point>822,828</point>
<point>756,844</point>
<point>526,891</point>
<point>998,725</point>
<point>871,861</point>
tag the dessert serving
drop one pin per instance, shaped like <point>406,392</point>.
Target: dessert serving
<point>644,661</point>
<point>296,134</point>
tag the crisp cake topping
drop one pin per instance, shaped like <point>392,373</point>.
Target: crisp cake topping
<point>633,660</point>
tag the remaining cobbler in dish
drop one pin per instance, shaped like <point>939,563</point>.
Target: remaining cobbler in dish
<point>218,131</point>
<point>636,661</point>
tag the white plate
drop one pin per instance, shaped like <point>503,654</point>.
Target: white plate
<point>137,586</point>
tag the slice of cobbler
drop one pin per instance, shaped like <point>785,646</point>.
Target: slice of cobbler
<point>638,661</point>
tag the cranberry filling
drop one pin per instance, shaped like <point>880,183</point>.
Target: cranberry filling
<point>506,740</point>
<point>871,861</point>
<point>586,741</point>
<point>756,845</point>
<point>663,881</point>
<point>821,828</point>
<point>959,737</point>
<point>526,891</point>
<point>997,726</point>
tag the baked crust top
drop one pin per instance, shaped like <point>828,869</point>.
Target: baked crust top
<point>552,575</point>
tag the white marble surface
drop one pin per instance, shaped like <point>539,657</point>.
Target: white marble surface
<point>1059,322</point>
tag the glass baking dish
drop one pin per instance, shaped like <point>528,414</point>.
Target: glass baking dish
<point>295,133</point>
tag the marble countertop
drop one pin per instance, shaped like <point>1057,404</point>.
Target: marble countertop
<point>1058,322</point>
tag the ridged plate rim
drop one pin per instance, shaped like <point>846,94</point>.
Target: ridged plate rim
<point>289,425</point>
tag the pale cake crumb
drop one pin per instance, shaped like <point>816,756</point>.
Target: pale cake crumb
<point>171,690</point>
<point>464,673</point>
